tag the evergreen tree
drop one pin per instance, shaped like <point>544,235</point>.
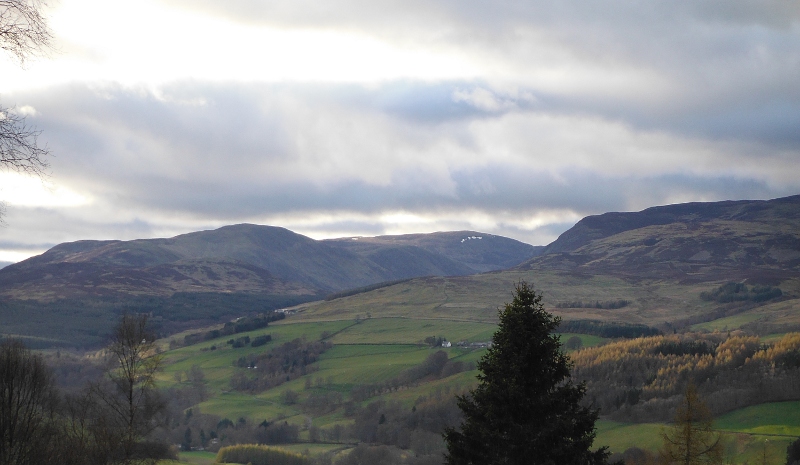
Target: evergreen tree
<point>793,453</point>
<point>525,410</point>
<point>691,441</point>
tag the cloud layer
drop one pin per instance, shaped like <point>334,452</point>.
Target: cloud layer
<point>545,112</point>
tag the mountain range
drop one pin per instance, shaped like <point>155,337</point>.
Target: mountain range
<point>733,240</point>
<point>73,291</point>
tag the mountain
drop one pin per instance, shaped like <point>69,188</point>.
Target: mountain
<point>234,270</point>
<point>667,267</point>
<point>658,261</point>
<point>476,251</point>
<point>250,258</point>
<point>748,239</point>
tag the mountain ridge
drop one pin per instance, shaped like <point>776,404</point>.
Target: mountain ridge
<point>286,259</point>
<point>746,239</point>
<point>208,276</point>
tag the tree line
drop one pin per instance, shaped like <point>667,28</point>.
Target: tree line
<point>109,420</point>
<point>642,379</point>
<point>286,362</point>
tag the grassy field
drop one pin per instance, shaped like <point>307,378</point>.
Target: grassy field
<point>476,299</point>
<point>378,335</point>
<point>778,419</point>
<point>621,436</point>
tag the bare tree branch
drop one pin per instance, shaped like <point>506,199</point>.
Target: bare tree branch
<point>19,147</point>
<point>23,34</point>
<point>23,28</point>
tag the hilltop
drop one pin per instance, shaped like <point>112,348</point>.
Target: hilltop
<point>651,267</point>
<point>733,240</point>
<point>648,267</point>
<point>203,276</point>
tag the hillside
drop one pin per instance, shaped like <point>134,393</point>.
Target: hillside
<point>480,252</point>
<point>203,276</point>
<point>650,267</point>
<point>755,240</point>
<point>366,366</point>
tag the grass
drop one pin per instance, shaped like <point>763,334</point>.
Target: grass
<point>413,331</point>
<point>198,457</point>
<point>587,340</point>
<point>778,418</point>
<point>621,436</point>
<point>747,434</point>
<point>389,336</point>
<point>476,299</point>
<point>373,351</point>
<point>728,323</point>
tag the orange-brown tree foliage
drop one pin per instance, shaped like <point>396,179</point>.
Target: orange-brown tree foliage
<point>643,379</point>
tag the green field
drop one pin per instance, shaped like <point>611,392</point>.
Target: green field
<point>621,436</point>
<point>778,419</point>
<point>375,346</point>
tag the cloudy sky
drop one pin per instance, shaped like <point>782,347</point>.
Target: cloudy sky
<point>362,117</point>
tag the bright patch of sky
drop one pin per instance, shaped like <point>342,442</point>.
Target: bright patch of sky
<point>145,42</point>
<point>357,118</point>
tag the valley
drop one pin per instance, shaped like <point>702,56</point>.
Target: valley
<point>354,353</point>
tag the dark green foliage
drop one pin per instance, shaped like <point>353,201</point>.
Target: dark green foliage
<point>225,423</point>
<point>261,340</point>
<point>240,342</point>
<point>790,359</point>
<point>361,290</point>
<point>283,363</point>
<point>277,433</point>
<point>609,330</point>
<point>259,455</point>
<point>526,409</point>
<point>686,348</point>
<point>86,323</point>
<point>606,304</point>
<point>435,366</point>
<point>434,341</point>
<point>793,453</point>
<point>574,343</point>
<point>419,428</point>
<point>740,292</point>
<point>240,325</point>
<point>186,444</point>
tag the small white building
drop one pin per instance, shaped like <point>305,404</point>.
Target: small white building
<point>446,344</point>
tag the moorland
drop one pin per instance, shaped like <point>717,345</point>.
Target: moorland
<point>356,355</point>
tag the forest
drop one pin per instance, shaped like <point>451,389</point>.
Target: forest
<point>642,379</point>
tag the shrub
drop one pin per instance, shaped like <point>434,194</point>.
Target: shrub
<point>261,340</point>
<point>259,455</point>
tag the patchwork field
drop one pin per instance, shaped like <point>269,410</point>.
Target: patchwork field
<point>375,346</point>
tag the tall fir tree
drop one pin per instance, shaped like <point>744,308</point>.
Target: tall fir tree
<point>526,409</point>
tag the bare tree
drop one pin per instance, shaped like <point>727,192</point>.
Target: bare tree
<point>28,402</point>
<point>23,34</point>
<point>130,402</point>
<point>23,28</point>
<point>19,145</point>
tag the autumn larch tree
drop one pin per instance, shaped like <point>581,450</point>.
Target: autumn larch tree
<point>691,440</point>
<point>526,409</point>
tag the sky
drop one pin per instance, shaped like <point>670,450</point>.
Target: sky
<point>361,118</point>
